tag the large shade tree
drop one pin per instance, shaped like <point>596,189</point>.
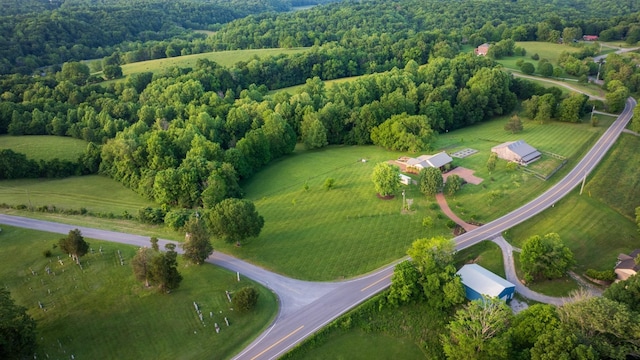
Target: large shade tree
<point>74,245</point>
<point>197,246</point>
<point>386,178</point>
<point>545,257</point>
<point>164,270</point>
<point>235,220</point>
<point>17,329</point>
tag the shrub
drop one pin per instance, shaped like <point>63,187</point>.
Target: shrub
<point>604,275</point>
<point>535,56</point>
<point>245,299</point>
<point>427,222</point>
<point>47,253</point>
<point>434,206</point>
<point>451,224</point>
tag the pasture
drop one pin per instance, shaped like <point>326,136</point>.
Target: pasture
<point>95,193</point>
<point>44,147</point>
<point>101,311</point>
<point>224,58</point>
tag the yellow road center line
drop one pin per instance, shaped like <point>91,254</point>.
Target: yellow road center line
<point>377,282</point>
<point>278,342</point>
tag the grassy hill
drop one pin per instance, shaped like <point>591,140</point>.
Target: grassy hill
<point>44,147</point>
<point>101,311</point>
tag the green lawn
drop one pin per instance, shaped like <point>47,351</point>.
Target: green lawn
<point>101,311</point>
<point>224,58</point>
<point>589,223</point>
<point>328,84</point>
<point>98,194</point>
<point>44,147</point>
<point>320,234</point>
<point>486,254</point>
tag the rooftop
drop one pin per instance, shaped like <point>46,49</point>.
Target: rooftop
<point>482,280</point>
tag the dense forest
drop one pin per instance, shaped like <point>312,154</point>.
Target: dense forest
<point>187,137</point>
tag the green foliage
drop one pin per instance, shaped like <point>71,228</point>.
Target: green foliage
<point>197,246</point>
<point>433,259</point>
<point>527,68</point>
<point>453,184</point>
<point>176,219</point>
<point>626,292</point>
<point>112,72</point>
<point>635,120</point>
<point>492,161</point>
<point>245,299</point>
<point>430,181</point>
<point>74,245</point>
<point>404,133</point>
<point>329,183</point>
<point>545,68</point>
<point>514,125</point>
<point>604,275</point>
<point>235,220</point>
<point>164,270</point>
<point>545,257</point>
<point>17,329</point>
<point>386,178</point>
<point>530,324</point>
<point>141,263</point>
<point>75,72</point>
<point>405,284</point>
<point>572,108</point>
<point>479,331</point>
<point>314,134</point>
<point>427,222</point>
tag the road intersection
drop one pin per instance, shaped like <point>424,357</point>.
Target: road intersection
<point>306,307</point>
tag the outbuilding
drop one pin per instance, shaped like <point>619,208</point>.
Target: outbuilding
<point>517,151</point>
<point>479,281</point>
<point>438,161</point>
<point>405,179</point>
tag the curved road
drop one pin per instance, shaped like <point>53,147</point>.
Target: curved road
<point>306,307</point>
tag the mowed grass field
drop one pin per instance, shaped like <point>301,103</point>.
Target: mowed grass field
<point>599,224</point>
<point>102,312</point>
<point>320,234</point>
<point>224,58</point>
<point>44,147</point>
<point>96,193</point>
<point>504,190</point>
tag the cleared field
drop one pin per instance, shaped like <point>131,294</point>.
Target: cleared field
<point>44,147</point>
<point>504,189</point>
<point>95,193</point>
<point>328,83</point>
<point>102,312</point>
<point>224,58</point>
<point>320,234</point>
<point>599,224</point>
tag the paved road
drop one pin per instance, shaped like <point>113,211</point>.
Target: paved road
<point>307,307</point>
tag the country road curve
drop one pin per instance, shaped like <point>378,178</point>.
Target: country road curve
<point>307,307</point>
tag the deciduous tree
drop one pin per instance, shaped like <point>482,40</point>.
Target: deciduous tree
<point>17,329</point>
<point>491,162</point>
<point>514,125</point>
<point>386,178</point>
<point>235,220</point>
<point>545,257</point>
<point>479,331</point>
<point>430,180</point>
<point>245,299</point>
<point>197,246</point>
<point>453,184</point>
<point>164,270</point>
<point>74,245</point>
<point>141,264</point>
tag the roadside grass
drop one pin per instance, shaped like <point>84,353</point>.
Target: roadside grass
<point>359,344</point>
<point>98,194</point>
<point>320,234</point>
<point>599,224</point>
<point>376,330</point>
<point>224,58</point>
<point>44,147</point>
<point>486,254</point>
<point>504,190</point>
<point>562,287</point>
<point>101,311</point>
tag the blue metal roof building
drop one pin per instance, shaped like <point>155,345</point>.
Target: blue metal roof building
<point>479,281</point>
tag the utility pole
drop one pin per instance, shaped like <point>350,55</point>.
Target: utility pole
<point>403,195</point>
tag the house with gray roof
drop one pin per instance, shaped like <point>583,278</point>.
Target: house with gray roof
<point>479,281</point>
<point>626,265</point>
<point>438,161</point>
<point>517,151</point>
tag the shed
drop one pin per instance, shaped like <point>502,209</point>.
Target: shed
<point>479,281</point>
<point>405,179</point>
<point>517,151</point>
